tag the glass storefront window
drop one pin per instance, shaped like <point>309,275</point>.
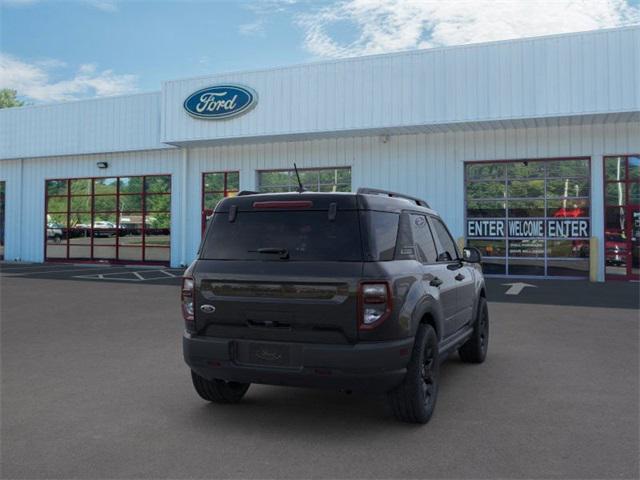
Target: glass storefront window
<point>622,217</point>
<point>523,215</point>
<point>109,219</point>
<point>215,187</point>
<point>314,180</point>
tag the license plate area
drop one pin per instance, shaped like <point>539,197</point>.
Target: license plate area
<point>265,354</point>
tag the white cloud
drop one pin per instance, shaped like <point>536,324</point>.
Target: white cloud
<point>389,25</point>
<point>253,28</point>
<point>33,80</point>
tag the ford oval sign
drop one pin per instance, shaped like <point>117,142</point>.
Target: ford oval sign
<point>220,101</point>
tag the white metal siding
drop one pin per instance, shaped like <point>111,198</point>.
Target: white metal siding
<point>425,165</point>
<point>113,124</point>
<point>558,76</point>
<point>26,192</point>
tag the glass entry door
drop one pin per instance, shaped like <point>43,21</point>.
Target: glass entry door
<point>622,217</point>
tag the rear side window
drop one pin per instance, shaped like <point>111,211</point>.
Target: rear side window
<point>382,232</point>
<point>447,250</point>
<point>422,238</point>
<point>305,235</point>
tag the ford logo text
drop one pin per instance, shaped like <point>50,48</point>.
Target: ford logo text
<point>220,102</point>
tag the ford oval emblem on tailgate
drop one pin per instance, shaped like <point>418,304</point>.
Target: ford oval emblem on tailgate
<point>208,308</point>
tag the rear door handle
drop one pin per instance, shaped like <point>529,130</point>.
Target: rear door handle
<point>459,277</point>
<point>435,282</point>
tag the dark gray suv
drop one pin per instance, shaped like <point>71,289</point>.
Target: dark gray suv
<point>361,291</point>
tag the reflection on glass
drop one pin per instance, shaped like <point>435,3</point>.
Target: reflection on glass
<point>130,203</point>
<point>485,190</point>
<point>130,185</point>
<point>615,219</point>
<point>569,187</point>
<point>634,168</point>
<point>634,194</point>
<point>56,187</point>
<point>81,186</point>
<point>485,171</point>
<point>568,208</point>
<point>615,194</point>
<point>568,168</point>
<point>214,182</point>
<point>133,254</point>
<point>614,168</point>
<point>130,237</point>
<point>79,252</point>
<point>314,180</point>
<point>526,169</point>
<point>157,237</point>
<point>526,189</point>
<point>526,248</point>
<point>158,203</point>
<point>81,204</point>
<point>233,180</point>
<point>489,248</point>
<point>566,268</point>
<point>211,200</point>
<point>156,254</point>
<point>105,186</point>
<point>105,203</point>
<point>568,248</point>
<point>56,250</point>
<point>57,204</point>
<point>493,266</point>
<point>104,252</point>
<point>526,208</point>
<point>519,266</point>
<point>158,184</point>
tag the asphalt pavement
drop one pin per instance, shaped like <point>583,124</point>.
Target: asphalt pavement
<point>94,386</point>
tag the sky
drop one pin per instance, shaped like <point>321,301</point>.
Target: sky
<point>54,50</point>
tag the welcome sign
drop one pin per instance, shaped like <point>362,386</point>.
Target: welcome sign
<point>220,102</point>
<point>525,228</point>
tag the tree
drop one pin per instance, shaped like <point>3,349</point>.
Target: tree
<point>8,98</point>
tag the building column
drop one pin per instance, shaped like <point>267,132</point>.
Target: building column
<point>248,180</point>
<point>597,213</point>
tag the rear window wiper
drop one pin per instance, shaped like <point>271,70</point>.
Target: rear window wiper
<point>283,252</point>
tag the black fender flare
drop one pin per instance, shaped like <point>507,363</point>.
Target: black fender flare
<point>428,307</point>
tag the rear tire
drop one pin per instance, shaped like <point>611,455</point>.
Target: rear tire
<point>414,400</point>
<point>475,349</point>
<point>219,391</point>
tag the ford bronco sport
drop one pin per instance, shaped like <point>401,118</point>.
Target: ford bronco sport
<point>357,291</point>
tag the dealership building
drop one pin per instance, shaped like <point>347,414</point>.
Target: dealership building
<point>529,149</point>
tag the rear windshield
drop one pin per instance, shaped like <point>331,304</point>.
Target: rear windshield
<point>284,235</point>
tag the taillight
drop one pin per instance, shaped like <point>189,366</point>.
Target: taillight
<point>186,298</point>
<point>374,302</point>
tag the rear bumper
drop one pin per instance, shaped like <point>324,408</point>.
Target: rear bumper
<point>368,367</point>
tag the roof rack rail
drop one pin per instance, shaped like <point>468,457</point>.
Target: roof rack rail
<point>376,191</point>
<point>242,193</point>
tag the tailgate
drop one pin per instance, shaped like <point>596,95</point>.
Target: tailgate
<point>281,301</point>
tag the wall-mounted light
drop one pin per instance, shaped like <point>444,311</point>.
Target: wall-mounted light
<point>102,165</point>
<point>384,138</point>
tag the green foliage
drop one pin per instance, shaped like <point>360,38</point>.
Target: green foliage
<point>8,98</point>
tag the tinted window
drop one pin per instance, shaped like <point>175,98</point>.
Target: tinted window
<point>422,238</point>
<point>382,228</point>
<point>446,242</point>
<point>306,235</point>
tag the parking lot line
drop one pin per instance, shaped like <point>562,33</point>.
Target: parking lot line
<point>39,272</point>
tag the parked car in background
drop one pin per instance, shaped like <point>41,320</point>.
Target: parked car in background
<point>54,232</point>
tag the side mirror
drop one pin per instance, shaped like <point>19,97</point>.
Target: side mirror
<point>471,255</point>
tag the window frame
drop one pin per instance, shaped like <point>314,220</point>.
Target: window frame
<point>259,186</point>
<point>117,230</point>
<point>506,178</point>
<point>225,191</point>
